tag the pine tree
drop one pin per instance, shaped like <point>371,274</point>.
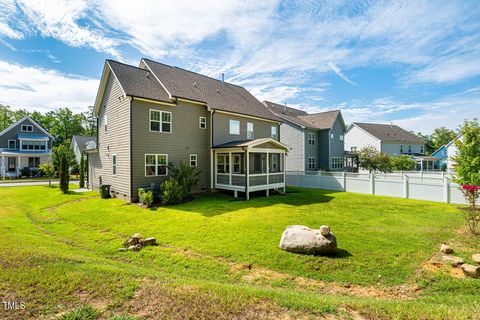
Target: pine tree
<point>82,172</point>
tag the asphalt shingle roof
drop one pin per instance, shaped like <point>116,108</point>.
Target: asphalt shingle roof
<point>390,133</point>
<point>138,82</point>
<point>321,120</point>
<point>216,94</point>
<point>82,140</point>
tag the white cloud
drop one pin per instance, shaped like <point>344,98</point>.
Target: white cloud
<point>44,90</point>
<point>339,73</point>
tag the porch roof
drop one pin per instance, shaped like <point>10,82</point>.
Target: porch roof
<point>425,158</point>
<point>33,136</point>
<point>251,144</point>
<point>10,152</point>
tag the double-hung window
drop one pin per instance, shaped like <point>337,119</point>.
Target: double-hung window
<point>12,144</point>
<point>274,134</point>
<point>105,123</point>
<point>311,139</point>
<point>193,160</point>
<point>34,162</point>
<point>202,122</point>
<point>234,127</point>
<point>160,121</point>
<point>223,163</point>
<point>311,163</point>
<point>237,163</point>
<point>337,163</point>
<point>409,149</point>
<point>114,164</point>
<point>341,137</point>
<point>156,165</point>
<point>401,148</point>
<point>250,135</point>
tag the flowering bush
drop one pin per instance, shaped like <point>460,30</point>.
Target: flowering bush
<point>471,193</point>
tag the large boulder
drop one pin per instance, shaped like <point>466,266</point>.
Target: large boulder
<point>302,239</point>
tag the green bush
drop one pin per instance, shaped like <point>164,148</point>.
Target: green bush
<point>403,163</point>
<point>25,172</point>
<point>145,197</point>
<point>186,176</point>
<point>172,192</point>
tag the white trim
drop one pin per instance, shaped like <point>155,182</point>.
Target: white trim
<point>15,144</point>
<point>191,101</point>
<point>154,101</point>
<point>311,134</point>
<point>159,121</point>
<point>276,132</point>
<point>27,117</point>
<point>149,69</point>
<point>114,165</point>
<point>252,131</point>
<point>245,116</point>
<point>200,122</point>
<point>196,160</point>
<point>314,163</point>
<point>156,165</point>
<point>230,127</point>
<point>27,126</point>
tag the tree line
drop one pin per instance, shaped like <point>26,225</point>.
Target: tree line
<point>438,138</point>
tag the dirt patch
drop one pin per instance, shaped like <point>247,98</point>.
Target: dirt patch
<point>159,301</point>
<point>456,273</point>
<point>432,266</point>
<point>258,274</point>
<point>435,264</point>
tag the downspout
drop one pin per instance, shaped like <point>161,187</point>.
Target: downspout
<point>212,154</point>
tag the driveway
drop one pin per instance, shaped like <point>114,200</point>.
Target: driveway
<point>30,183</point>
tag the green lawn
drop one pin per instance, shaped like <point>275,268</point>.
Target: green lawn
<point>218,257</point>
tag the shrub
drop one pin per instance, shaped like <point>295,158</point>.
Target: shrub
<point>172,192</point>
<point>74,169</point>
<point>186,176</point>
<point>82,313</point>
<point>49,170</point>
<point>82,172</point>
<point>25,172</point>
<point>145,197</point>
<point>373,161</point>
<point>403,163</point>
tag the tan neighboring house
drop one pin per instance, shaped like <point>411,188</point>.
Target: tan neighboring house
<point>24,144</point>
<point>154,114</point>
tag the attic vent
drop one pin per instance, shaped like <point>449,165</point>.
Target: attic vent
<point>218,91</point>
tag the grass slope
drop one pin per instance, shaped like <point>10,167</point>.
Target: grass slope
<point>60,251</point>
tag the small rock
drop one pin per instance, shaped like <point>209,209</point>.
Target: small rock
<point>476,258</point>
<point>137,236</point>
<point>137,247</point>
<point>122,249</point>
<point>445,248</point>
<point>471,270</point>
<point>149,242</point>
<point>452,260</point>
<point>324,231</point>
<point>130,242</point>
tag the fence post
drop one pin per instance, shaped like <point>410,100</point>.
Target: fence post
<point>344,177</point>
<point>405,186</point>
<point>446,190</point>
<point>372,183</point>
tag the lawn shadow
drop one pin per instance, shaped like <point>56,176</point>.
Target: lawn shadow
<point>213,204</point>
<point>340,254</point>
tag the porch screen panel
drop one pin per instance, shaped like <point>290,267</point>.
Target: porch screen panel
<point>258,163</point>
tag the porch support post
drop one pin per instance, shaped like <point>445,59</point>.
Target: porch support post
<point>247,175</point>
<point>283,164</point>
<point>268,170</point>
<point>18,166</point>
<point>2,168</point>
<point>230,168</point>
<point>214,171</point>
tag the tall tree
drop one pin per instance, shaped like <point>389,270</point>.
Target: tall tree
<point>442,136</point>
<point>6,117</point>
<point>90,122</point>
<point>467,158</point>
<point>427,139</point>
<point>64,124</point>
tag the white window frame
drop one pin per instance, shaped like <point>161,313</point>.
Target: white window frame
<point>250,131</point>
<point>193,158</point>
<point>33,143</point>
<point>160,122</point>
<point>25,127</point>
<point>331,136</point>
<point>225,164</point>
<point>409,149</point>
<point>237,161</point>
<point>311,139</point>
<point>341,138</point>
<point>273,132</point>
<point>14,144</point>
<point>202,122</point>
<point>114,165</point>
<point>275,162</point>
<point>311,164</point>
<point>337,163</point>
<point>105,123</point>
<point>156,164</point>
<point>234,124</point>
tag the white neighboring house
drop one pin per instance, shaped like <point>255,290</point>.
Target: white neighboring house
<point>81,143</point>
<point>24,144</point>
<point>389,139</point>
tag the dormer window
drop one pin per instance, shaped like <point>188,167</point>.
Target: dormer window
<point>27,128</point>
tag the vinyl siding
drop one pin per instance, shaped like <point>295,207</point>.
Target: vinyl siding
<point>311,151</point>
<point>356,137</point>
<point>221,128</point>
<point>186,138</point>
<point>12,134</point>
<point>292,136</point>
<point>337,148</point>
<point>115,141</point>
<point>394,148</point>
<point>324,149</point>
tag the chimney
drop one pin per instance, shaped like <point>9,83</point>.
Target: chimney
<point>223,77</point>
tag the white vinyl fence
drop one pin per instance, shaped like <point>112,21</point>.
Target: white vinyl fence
<point>434,187</point>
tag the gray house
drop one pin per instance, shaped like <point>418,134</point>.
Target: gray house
<point>80,144</point>
<point>24,144</point>
<point>315,140</point>
<point>154,114</point>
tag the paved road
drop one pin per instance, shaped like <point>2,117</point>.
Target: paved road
<point>31,183</point>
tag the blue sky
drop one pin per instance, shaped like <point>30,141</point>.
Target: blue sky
<point>413,63</point>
